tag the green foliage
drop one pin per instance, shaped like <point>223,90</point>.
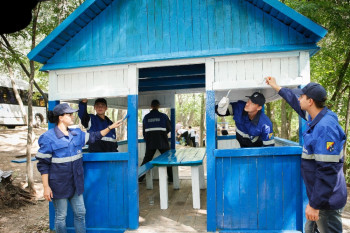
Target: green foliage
<point>188,107</point>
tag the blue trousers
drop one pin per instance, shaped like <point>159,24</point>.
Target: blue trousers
<point>77,203</point>
<point>329,222</point>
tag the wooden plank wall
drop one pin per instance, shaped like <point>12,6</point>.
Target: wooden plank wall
<point>148,30</point>
<point>258,193</point>
<point>100,81</point>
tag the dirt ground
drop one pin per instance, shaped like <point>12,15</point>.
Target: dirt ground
<point>35,218</point>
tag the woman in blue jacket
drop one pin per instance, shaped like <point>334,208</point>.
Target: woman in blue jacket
<point>61,165</point>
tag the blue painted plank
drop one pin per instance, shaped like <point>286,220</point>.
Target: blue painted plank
<point>243,23</point>
<point>204,25</point>
<point>142,29</point>
<point>95,40</point>
<point>244,189</point>
<point>289,203</point>
<point>188,30</point>
<point>144,169</point>
<point>278,177</point>
<point>220,193</point>
<point>270,201</point>
<point>265,151</point>
<point>211,145</point>
<point>123,28</point>
<point>262,193</point>
<point>132,188</point>
<point>236,31</point>
<point>276,31</point>
<point>109,30</point>
<point>22,160</point>
<point>158,26</point>
<point>102,30</point>
<point>252,194</point>
<point>166,27</point>
<point>173,27</point>
<point>228,190</point>
<point>196,25</point>
<point>116,28</point>
<point>234,208</point>
<point>227,22</point>
<point>211,4</point>
<point>259,27</point>
<point>252,34</point>
<point>180,25</point>
<point>267,29</point>
<point>219,22</point>
<point>106,156</point>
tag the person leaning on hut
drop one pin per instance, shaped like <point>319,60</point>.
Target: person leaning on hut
<point>322,158</point>
<point>97,122</point>
<point>156,126</point>
<point>253,127</point>
<point>61,165</point>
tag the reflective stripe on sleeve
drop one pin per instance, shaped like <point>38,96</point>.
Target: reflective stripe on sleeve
<point>244,135</point>
<point>43,156</point>
<point>87,136</point>
<point>323,157</point>
<point>89,125</point>
<point>67,159</point>
<point>270,142</point>
<point>155,129</point>
<point>108,139</point>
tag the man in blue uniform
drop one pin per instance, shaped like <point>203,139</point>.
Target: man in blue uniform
<point>253,127</point>
<point>322,157</point>
<point>156,126</point>
<point>98,122</point>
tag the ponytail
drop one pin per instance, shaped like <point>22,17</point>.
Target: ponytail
<point>52,118</point>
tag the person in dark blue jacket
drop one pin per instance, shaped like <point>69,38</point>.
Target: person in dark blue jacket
<point>322,158</point>
<point>253,127</point>
<point>156,126</point>
<point>97,122</point>
<point>61,165</point>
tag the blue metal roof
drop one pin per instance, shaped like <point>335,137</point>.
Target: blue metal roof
<point>90,9</point>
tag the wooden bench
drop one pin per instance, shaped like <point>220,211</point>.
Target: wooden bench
<point>182,157</point>
<point>147,169</point>
<point>24,160</point>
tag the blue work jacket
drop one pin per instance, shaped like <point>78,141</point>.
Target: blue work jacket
<point>61,157</point>
<point>250,133</point>
<point>156,126</point>
<point>322,157</point>
<point>94,123</point>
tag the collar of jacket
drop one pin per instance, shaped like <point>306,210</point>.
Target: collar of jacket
<point>319,116</point>
<point>59,133</point>
<point>256,119</point>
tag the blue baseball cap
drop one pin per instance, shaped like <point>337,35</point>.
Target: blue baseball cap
<point>314,91</point>
<point>63,109</point>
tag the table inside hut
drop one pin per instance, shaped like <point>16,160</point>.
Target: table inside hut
<point>182,157</point>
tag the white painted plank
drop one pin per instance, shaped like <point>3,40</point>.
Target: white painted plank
<point>163,188</point>
<point>195,187</point>
<point>176,180</point>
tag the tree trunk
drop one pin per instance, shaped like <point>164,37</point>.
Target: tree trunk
<point>202,126</point>
<point>283,120</point>
<point>15,91</point>
<point>29,167</point>
<point>341,76</point>
<point>9,48</point>
<point>269,113</point>
<point>346,131</point>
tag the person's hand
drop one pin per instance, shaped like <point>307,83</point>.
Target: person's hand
<point>84,100</point>
<point>272,82</point>
<point>311,213</point>
<point>48,193</point>
<point>116,124</point>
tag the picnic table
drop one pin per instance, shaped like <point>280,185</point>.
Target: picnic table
<point>181,157</point>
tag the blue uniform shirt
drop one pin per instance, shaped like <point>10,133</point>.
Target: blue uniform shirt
<point>156,126</point>
<point>251,133</point>
<point>94,123</point>
<point>61,157</point>
<point>322,157</point>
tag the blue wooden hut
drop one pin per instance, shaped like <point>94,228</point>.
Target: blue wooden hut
<point>131,51</point>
